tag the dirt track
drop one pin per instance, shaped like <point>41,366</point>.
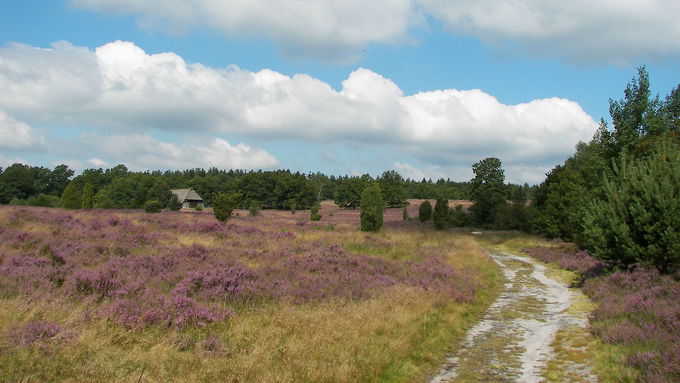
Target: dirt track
<point>513,342</point>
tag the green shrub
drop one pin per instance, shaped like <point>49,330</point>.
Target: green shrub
<point>441,214</point>
<point>372,208</point>
<point>458,217</point>
<point>254,208</point>
<point>198,208</point>
<point>293,206</point>
<point>425,211</point>
<point>43,200</point>
<point>152,206</point>
<point>314,213</point>
<point>17,202</point>
<point>173,203</point>
<point>404,215</point>
<point>223,204</point>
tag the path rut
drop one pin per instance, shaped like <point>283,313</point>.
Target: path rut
<point>512,343</point>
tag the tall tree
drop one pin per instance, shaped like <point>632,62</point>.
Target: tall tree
<point>69,198</point>
<point>425,211</point>
<point>88,196</point>
<point>372,208</point>
<point>393,190</point>
<point>440,216</point>
<point>488,190</point>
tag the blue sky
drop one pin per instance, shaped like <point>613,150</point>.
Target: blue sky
<point>426,87</point>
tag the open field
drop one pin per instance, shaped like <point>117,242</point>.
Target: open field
<point>128,296</point>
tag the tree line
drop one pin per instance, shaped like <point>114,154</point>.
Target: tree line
<point>117,187</point>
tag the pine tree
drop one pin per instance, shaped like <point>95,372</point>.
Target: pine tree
<point>425,211</point>
<point>372,208</point>
<point>69,198</point>
<point>441,214</point>
<point>637,221</point>
<point>223,204</point>
<point>88,196</point>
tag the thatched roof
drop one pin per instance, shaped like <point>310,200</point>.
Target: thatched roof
<point>186,195</point>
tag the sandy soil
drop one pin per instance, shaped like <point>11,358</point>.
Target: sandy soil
<point>513,342</point>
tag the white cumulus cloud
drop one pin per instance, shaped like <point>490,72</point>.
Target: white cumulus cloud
<point>610,31</point>
<point>143,152</point>
<point>121,88</point>
<point>17,135</point>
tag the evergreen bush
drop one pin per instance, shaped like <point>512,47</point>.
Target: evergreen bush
<point>441,213</point>
<point>152,206</point>
<point>425,211</point>
<point>372,208</point>
<point>254,208</point>
<point>69,198</point>
<point>314,212</point>
<point>224,204</point>
<point>173,203</point>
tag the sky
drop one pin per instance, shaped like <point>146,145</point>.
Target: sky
<point>344,87</point>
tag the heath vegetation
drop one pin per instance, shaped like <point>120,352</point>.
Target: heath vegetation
<point>178,296</point>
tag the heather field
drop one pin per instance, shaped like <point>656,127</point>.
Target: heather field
<point>123,296</point>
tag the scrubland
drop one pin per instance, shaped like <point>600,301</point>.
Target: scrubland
<point>126,296</point>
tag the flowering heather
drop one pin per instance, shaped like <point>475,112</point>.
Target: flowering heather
<point>568,258</point>
<point>39,331</point>
<point>181,269</point>
<point>640,310</point>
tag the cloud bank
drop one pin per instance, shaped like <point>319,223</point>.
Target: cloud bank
<point>121,88</point>
<point>606,31</point>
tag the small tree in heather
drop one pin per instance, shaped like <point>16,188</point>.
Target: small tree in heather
<point>254,208</point>
<point>69,198</point>
<point>404,215</point>
<point>372,208</point>
<point>425,211</point>
<point>173,203</point>
<point>223,204</point>
<point>88,196</point>
<point>441,214</point>
<point>293,206</point>
<point>314,213</point>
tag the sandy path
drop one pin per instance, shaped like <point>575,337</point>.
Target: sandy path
<point>512,343</point>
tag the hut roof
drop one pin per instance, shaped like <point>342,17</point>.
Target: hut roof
<point>186,195</point>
